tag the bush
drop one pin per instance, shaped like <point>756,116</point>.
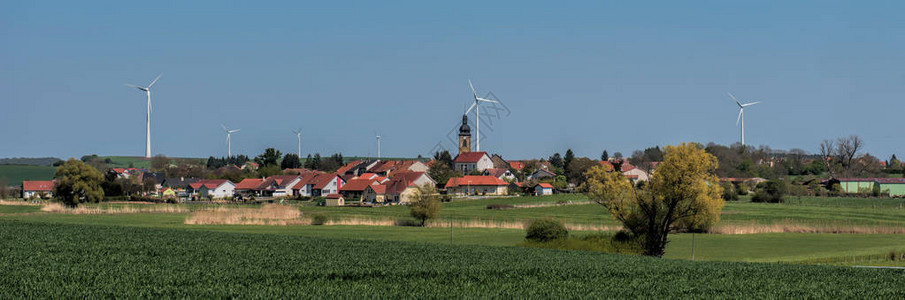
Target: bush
<point>729,193</point>
<point>772,191</point>
<point>318,219</point>
<point>545,230</point>
<point>499,206</point>
<point>621,242</point>
<point>742,189</point>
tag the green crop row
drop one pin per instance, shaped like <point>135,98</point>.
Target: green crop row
<point>47,260</point>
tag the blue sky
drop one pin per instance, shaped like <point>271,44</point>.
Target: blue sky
<point>586,76</point>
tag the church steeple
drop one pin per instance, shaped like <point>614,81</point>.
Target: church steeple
<point>464,136</point>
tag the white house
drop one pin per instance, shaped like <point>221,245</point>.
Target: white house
<point>637,173</point>
<point>279,185</point>
<point>37,189</point>
<point>213,188</point>
<point>325,184</point>
<point>472,161</point>
<point>501,173</point>
<point>543,189</point>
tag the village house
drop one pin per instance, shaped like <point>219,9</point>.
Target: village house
<point>354,189</point>
<point>278,186</point>
<point>472,161</point>
<point>212,188</point>
<point>502,174</point>
<point>541,174</point>
<point>543,189</point>
<point>324,184</point>
<point>37,189</point>
<point>476,185</point>
<point>248,187</point>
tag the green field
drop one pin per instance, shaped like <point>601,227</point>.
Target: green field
<point>15,174</point>
<point>45,260</point>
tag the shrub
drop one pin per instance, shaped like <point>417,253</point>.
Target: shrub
<point>318,219</point>
<point>772,191</point>
<point>545,230</point>
<point>499,206</point>
<point>729,193</point>
<point>622,243</point>
<point>742,189</point>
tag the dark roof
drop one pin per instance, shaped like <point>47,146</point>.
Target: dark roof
<point>180,182</point>
<point>160,177</point>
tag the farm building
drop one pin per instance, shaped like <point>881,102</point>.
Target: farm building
<point>335,200</point>
<point>895,186</point>
<point>543,189</point>
<point>37,189</point>
<point>854,185</point>
<point>476,185</point>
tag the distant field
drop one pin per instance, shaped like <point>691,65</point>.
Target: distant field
<point>15,174</point>
<point>89,261</point>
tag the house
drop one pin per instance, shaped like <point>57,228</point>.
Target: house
<point>249,166</point>
<point>476,185</point>
<point>37,189</point>
<point>543,189</point>
<point>334,200</point>
<point>166,193</point>
<point>516,165</point>
<point>180,185</point>
<point>388,167</point>
<point>324,184</point>
<point>248,187</point>
<point>375,193</point>
<point>416,178</point>
<point>499,162</point>
<point>354,189</point>
<point>399,190</point>
<point>472,161</point>
<point>541,173</point>
<point>634,172</point>
<point>278,186</point>
<point>502,174</point>
<point>212,188</point>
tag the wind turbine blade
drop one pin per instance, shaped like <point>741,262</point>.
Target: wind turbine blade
<point>488,100</point>
<point>132,85</point>
<point>150,106</point>
<point>740,112</point>
<point>749,104</point>
<point>475,94</point>
<point>736,100</point>
<point>155,80</point>
<point>470,108</point>
<point>235,130</point>
<point>224,127</point>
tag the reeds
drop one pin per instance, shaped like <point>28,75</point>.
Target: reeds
<point>788,226</point>
<point>84,210</point>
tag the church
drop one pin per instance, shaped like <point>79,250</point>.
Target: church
<point>467,161</point>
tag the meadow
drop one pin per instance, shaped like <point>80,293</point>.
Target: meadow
<point>15,174</point>
<point>53,260</point>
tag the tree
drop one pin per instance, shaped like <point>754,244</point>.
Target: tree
<point>425,203</point>
<point>683,193</point>
<point>441,172</point>
<point>617,155</point>
<point>567,160</point>
<point>605,156</point>
<point>77,183</point>
<point>159,162</point>
<point>577,169</point>
<point>444,157</point>
<point>290,161</point>
<point>270,157</point>
<point>556,160</point>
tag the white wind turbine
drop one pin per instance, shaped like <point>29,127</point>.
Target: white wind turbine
<point>378,143</point>
<point>741,115</point>
<point>147,91</point>
<point>298,134</point>
<point>229,133</point>
<point>477,115</point>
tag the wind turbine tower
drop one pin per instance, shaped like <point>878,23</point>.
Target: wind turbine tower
<point>741,115</point>
<point>477,116</point>
<point>298,134</point>
<point>229,133</point>
<point>147,91</point>
<point>378,144</point>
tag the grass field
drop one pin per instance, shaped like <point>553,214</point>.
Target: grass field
<point>44,260</point>
<point>15,174</point>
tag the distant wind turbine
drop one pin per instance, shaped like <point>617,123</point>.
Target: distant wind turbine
<point>378,143</point>
<point>298,134</point>
<point>147,91</point>
<point>741,115</point>
<point>229,133</point>
<point>477,116</point>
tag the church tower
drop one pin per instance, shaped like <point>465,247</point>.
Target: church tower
<point>464,136</point>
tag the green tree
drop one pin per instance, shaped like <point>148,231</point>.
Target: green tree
<point>567,160</point>
<point>425,203</point>
<point>444,157</point>
<point>77,183</point>
<point>683,193</point>
<point>441,172</point>
<point>290,161</point>
<point>270,157</point>
<point>556,160</point>
<point>159,162</point>
<point>605,156</point>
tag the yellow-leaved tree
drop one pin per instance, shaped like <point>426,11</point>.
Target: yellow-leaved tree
<point>683,194</point>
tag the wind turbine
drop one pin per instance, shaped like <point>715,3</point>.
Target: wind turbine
<point>229,133</point>
<point>477,115</point>
<point>147,91</point>
<point>378,143</point>
<point>298,134</point>
<point>741,115</point>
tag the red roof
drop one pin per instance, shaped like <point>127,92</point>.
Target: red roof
<point>282,179</point>
<point>333,196</point>
<point>45,186</point>
<point>367,175</point>
<point>321,180</point>
<point>209,183</point>
<point>249,183</point>
<point>379,188</point>
<point>474,180</point>
<point>357,185</point>
<point>408,176</point>
<point>470,157</point>
<point>517,165</point>
<point>545,185</point>
<point>348,166</point>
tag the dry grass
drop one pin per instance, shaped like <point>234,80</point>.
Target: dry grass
<point>270,214</point>
<point>787,226</point>
<point>83,210</point>
<point>550,204</point>
<point>7,202</point>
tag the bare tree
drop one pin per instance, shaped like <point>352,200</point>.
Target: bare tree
<point>827,149</point>
<point>847,150</point>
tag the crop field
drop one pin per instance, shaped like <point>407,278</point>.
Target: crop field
<point>15,174</point>
<point>45,260</point>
